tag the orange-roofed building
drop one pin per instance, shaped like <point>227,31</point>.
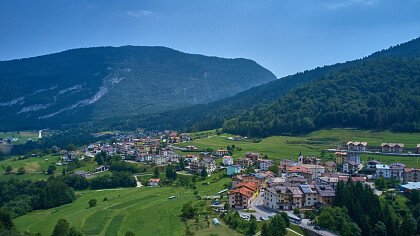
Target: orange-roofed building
<point>243,194</point>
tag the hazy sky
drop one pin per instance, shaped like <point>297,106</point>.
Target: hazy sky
<point>283,36</point>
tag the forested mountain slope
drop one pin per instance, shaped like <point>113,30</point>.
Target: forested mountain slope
<point>213,115</point>
<point>375,94</point>
<point>90,84</point>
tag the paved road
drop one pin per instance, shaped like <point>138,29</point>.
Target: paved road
<point>261,211</point>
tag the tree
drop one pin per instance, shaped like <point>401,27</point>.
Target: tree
<point>71,147</point>
<point>74,232</point>
<point>129,233</point>
<point>170,172</point>
<point>264,229</point>
<point>285,218</point>
<point>62,228</point>
<point>188,211</point>
<point>21,170</point>
<point>277,226</point>
<point>380,229</point>
<point>252,227</point>
<point>203,172</point>
<point>408,226</point>
<point>6,222</point>
<point>92,202</point>
<point>51,169</point>
<point>100,158</point>
<point>182,164</point>
<point>296,211</point>
<point>9,169</point>
<point>156,173</point>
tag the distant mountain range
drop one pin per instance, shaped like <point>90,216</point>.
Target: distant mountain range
<point>160,88</point>
<point>93,84</point>
<point>381,91</point>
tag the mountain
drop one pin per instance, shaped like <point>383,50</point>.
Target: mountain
<point>258,104</point>
<point>91,84</point>
<point>382,93</point>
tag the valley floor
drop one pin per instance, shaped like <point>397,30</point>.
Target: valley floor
<point>283,147</point>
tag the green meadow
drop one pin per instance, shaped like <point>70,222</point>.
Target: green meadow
<point>283,147</point>
<point>146,210</point>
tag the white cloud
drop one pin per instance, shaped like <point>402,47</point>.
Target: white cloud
<point>140,13</point>
<point>336,4</point>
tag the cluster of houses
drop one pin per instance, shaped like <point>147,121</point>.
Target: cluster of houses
<point>141,148</point>
<point>386,148</point>
<point>307,182</point>
<point>298,184</point>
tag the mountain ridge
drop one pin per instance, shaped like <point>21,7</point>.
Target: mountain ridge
<point>214,114</point>
<point>81,85</point>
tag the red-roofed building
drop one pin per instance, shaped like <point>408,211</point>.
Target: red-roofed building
<point>243,194</point>
<point>154,182</point>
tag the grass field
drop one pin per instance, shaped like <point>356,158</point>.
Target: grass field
<point>20,136</point>
<point>146,210</point>
<point>36,166</point>
<point>283,147</point>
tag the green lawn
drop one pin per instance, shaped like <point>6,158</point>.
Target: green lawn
<point>283,147</point>
<point>146,210</point>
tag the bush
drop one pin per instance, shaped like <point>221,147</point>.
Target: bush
<point>92,202</point>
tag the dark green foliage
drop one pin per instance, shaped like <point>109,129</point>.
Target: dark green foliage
<point>171,172</point>
<point>156,172</point>
<point>235,221</point>
<point>264,230</point>
<point>100,158</point>
<point>362,204</point>
<point>408,226</point>
<point>336,219</point>
<point>5,221</point>
<point>92,202</point>
<point>83,85</point>
<point>277,226</point>
<point>380,229</point>
<point>51,169</point>
<point>285,218</point>
<point>53,193</point>
<point>252,227</point>
<point>113,180</point>
<point>188,211</point>
<point>8,169</point>
<point>376,94</point>
<point>62,228</point>
<point>19,197</point>
<point>123,166</point>
<point>21,170</point>
<point>203,173</point>
<point>74,181</point>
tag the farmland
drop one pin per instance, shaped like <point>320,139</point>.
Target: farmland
<point>283,147</point>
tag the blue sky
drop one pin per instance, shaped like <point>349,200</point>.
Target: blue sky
<point>284,36</point>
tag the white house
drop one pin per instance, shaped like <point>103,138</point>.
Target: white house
<point>227,160</point>
<point>383,170</point>
<point>154,182</point>
<point>266,164</point>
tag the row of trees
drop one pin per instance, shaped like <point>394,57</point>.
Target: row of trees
<point>19,197</point>
<point>358,211</point>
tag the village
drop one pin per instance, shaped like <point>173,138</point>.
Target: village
<point>259,186</point>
